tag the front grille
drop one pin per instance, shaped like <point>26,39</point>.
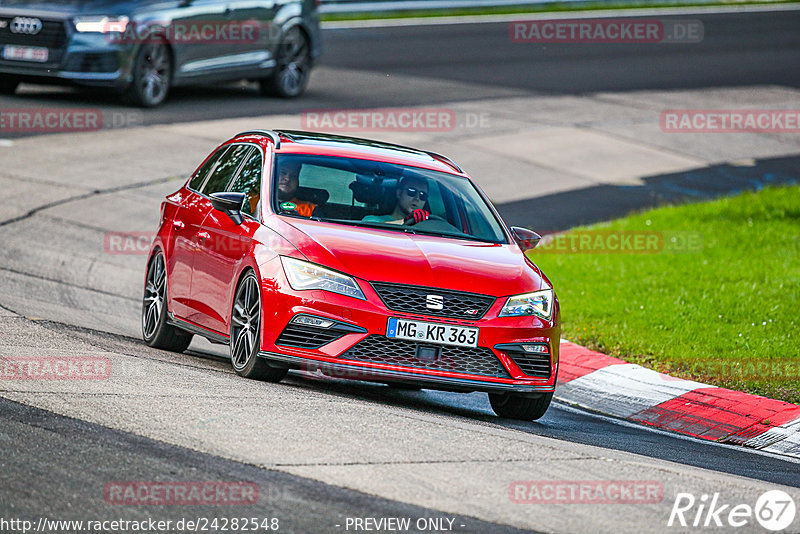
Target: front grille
<point>414,299</point>
<point>537,365</point>
<point>473,361</point>
<point>52,35</point>
<point>307,337</point>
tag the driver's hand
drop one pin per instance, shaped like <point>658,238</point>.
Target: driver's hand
<point>417,216</point>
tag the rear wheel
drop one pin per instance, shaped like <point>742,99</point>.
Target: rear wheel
<point>152,76</point>
<point>246,333</point>
<point>155,330</point>
<point>8,84</point>
<point>293,67</point>
<point>513,406</point>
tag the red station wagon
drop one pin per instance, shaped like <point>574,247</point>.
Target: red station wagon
<point>354,259</point>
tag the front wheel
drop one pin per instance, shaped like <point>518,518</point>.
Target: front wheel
<point>513,406</point>
<point>152,76</point>
<point>246,334</point>
<point>155,330</point>
<point>293,66</point>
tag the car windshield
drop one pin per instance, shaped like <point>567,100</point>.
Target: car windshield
<point>382,195</point>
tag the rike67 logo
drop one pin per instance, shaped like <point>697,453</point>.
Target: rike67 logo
<point>774,510</point>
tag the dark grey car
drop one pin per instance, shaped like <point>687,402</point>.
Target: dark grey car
<point>142,48</point>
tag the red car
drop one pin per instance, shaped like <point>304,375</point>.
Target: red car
<point>353,259</point>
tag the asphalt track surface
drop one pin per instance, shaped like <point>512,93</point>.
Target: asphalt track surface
<point>57,463</point>
<point>444,63</point>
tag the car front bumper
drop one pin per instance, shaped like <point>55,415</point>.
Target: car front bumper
<point>499,369</point>
<point>73,58</point>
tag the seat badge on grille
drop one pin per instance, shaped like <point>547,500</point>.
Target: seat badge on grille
<point>434,302</point>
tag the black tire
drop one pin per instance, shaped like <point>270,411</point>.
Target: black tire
<point>155,330</point>
<point>8,84</point>
<point>513,406</point>
<point>152,76</point>
<point>293,66</point>
<point>246,333</point>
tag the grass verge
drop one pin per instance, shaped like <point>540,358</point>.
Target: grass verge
<point>550,7</point>
<point>711,293</point>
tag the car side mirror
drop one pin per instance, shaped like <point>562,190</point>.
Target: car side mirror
<point>526,239</point>
<point>230,203</point>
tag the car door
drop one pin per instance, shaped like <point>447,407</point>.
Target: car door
<point>254,19</point>
<point>219,246</point>
<point>199,47</point>
<point>189,214</point>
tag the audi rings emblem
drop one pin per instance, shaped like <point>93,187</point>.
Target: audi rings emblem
<point>26,25</point>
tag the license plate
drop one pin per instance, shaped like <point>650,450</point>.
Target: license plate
<point>442,334</point>
<point>26,53</point>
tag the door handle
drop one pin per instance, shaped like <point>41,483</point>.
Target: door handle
<point>178,225</point>
<point>203,235</point>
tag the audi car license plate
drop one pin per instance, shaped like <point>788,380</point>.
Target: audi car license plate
<point>442,334</point>
<point>26,53</point>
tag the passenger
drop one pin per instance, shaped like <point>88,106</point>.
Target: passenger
<point>288,184</point>
<point>412,195</point>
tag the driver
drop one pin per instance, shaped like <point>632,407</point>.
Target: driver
<point>288,184</point>
<point>412,194</point>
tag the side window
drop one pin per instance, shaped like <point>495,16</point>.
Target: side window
<point>224,171</point>
<point>200,175</point>
<point>248,181</point>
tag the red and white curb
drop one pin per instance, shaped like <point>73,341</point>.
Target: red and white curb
<point>614,387</point>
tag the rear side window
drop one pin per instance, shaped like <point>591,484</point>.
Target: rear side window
<point>225,169</point>
<point>248,181</point>
<point>202,172</point>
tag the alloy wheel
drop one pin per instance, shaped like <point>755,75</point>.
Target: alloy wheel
<point>245,323</point>
<point>154,296</point>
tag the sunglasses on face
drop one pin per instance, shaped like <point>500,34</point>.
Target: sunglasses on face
<point>414,192</point>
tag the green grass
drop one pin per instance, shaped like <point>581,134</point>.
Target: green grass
<point>550,7</point>
<point>737,300</point>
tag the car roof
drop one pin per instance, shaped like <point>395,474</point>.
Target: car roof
<point>296,141</point>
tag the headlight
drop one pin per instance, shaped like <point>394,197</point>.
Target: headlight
<point>538,303</point>
<point>99,24</point>
<point>304,275</point>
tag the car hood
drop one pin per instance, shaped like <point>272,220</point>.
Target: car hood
<point>416,259</point>
<point>79,7</point>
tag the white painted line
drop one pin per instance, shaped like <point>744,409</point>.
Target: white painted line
<point>623,390</point>
<point>5,143</point>
<point>609,13</point>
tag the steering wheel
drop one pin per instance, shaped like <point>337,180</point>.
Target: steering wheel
<point>412,222</point>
